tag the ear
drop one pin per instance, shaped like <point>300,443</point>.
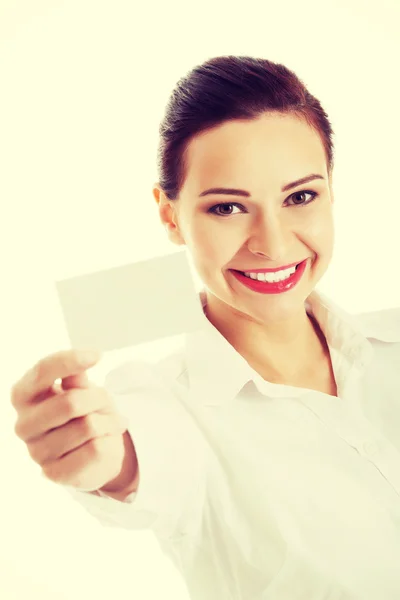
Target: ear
<point>168,215</point>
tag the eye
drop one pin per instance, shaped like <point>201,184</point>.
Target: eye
<point>213,209</point>
<point>227,205</point>
<point>313,196</point>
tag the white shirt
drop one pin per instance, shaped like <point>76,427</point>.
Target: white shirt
<point>262,491</point>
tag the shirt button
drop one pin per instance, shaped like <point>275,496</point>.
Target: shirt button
<point>370,448</point>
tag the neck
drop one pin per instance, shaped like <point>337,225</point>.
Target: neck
<point>282,352</point>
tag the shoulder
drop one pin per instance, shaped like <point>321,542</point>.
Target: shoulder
<point>383,325</point>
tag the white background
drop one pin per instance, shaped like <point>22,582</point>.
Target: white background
<point>83,86</point>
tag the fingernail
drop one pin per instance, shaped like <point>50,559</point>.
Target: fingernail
<point>87,357</point>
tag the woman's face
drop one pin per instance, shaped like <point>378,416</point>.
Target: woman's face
<point>268,228</point>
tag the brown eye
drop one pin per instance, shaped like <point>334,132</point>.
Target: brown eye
<point>302,193</point>
<point>224,205</point>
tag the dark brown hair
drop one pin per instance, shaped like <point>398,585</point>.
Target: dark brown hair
<point>225,88</point>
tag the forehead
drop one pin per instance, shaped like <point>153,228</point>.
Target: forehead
<point>278,147</point>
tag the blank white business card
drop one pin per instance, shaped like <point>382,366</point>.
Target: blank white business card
<point>131,304</point>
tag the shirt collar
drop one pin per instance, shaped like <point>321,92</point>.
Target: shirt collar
<point>217,372</point>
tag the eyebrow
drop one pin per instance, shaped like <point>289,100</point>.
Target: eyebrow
<point>234,192</point>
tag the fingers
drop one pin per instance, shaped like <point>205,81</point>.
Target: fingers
<point>76,381</point>
<point>86,466</point>
<point>57,443</point>
<point>48,393</point>
<point>37,419</point>
<point>43,375</point>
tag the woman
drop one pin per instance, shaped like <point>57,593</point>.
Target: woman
<point>268,446</point>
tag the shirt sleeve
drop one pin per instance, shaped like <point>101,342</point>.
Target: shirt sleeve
<point>171,454</point>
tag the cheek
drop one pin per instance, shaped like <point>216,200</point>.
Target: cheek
<point>319,233</point>
<point>212,245</point>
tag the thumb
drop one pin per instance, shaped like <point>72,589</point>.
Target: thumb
<point>79,380</point>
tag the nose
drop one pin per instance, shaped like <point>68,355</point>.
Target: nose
<point>269,238</point>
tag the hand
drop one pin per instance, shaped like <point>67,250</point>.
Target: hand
<point>73,430</point>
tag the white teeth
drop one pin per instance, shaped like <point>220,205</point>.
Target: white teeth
<point>272,277</point>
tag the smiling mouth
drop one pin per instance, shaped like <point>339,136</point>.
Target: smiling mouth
<point>272,282</point>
